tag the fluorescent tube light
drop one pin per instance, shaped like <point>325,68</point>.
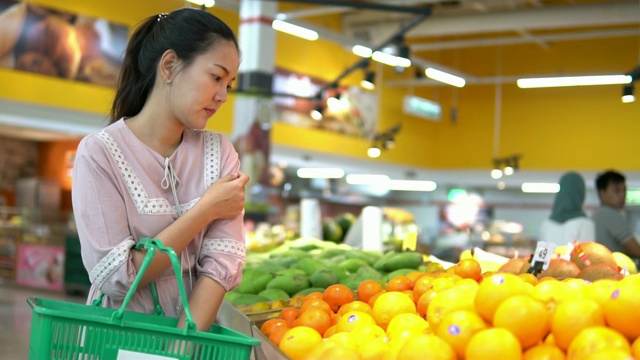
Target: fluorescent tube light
<point>529,83</point>
<point>541,188</point>
<point>206,3</point>
<point>390,60</point>
<point>320,173</point>
<point>367,179</point>
<point>412,185</point>
<point>444,77</point>
<point>294,30</point>
<point>362,51</point>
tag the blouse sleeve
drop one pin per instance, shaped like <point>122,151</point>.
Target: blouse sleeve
<point>100,215</point>
<point>222,254</point>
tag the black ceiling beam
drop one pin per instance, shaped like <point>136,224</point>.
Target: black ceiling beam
<point>362,63</point>
<point>364,5</point>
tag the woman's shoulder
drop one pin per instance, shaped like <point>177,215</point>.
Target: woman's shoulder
<point>96,140</point>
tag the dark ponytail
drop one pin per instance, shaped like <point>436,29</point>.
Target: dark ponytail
<point>188,32</point>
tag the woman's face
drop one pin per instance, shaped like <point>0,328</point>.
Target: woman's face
<point>200,89</point>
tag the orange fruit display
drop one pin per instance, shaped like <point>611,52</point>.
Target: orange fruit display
<point>289,314</point>
<point>543,352</point>
<point>355,306</point>
<point>316,304</point>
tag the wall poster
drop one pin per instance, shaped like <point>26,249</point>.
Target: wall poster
<point>42,40</point>
<point>346,110</point>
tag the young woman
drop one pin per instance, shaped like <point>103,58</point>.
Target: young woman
<point>154,172</point>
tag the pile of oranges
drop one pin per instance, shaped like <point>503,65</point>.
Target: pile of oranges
<point>462,313</point>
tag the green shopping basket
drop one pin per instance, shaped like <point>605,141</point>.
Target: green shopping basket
<point>70,331</point>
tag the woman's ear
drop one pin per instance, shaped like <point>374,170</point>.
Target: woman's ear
<point>168,65</point>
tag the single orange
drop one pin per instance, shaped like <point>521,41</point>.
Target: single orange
<point>529,278</point>
<point>313,295</point>
<point>355,306</point>
<point>289,314</point>
<point>413,276</point>
<point>493,343</point>
<point>375,297</point>
<point>391,304</point>
<point>426,347</point>
<point>277,335</point>
<point>468,269</point>
<point>316,304</point>
<point>367,289</point>
<point>330,331</point>
<point>421,285</point>
<point>570,317</point>
<point>299,341</point>
<point>423,303</point>
<point>622,311</point>
<point>635,348</point>
<point>543,352</point>
<point>594,339</point>
<point>316,319</point>
<point>525,317</point>
<point>337,295</point>
<point>399,283</point>
<point>270,325</point>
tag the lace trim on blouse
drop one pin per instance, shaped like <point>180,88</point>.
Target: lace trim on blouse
<point>223,246</point>
<point>110,263</point>
<point>211,158</point>
<point>161,206</point>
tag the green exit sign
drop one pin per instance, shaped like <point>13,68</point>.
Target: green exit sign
<point>424,108</point>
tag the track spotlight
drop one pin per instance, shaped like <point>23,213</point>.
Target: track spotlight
<point>627,94</point>
<point>316,113</point>
<point>369,81</point>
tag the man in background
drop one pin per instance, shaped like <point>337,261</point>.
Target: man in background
<point>613,226</point>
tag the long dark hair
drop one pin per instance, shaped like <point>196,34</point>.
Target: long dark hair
<point>188,32</point>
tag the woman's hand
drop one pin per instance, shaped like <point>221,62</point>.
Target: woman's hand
<point>225,198</point>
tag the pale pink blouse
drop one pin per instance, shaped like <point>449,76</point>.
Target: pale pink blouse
<point>123,191</point>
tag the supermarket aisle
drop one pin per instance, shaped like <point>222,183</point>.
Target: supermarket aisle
<point>15,318</point>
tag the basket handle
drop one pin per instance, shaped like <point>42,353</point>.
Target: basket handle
<point>157,309</point>
<point>151,245</point>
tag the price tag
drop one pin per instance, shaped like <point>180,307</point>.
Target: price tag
<point>410,241</point>
<point>543,254</point>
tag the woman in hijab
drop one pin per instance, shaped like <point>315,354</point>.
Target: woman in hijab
<point>568,222</point>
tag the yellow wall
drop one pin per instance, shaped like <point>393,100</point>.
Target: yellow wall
<point>571,128</point>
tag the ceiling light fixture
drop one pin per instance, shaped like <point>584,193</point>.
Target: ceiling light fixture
<point>412,185</point>
<point>205,3</point>
<point>444,77</point>
<point>540,188</point>
<point>627,94</point>
<point>390,60</point>
<point>294,30</point>
<point>369,80</point>
<point>529,83</point>
<point>320,173</point>
<point>374,152</point>
<point>362,51</point>
<point>367,179</point>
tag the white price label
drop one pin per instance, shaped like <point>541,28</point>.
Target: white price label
<point>543,254</point>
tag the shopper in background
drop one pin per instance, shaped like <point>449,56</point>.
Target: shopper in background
<point>568,222</point>
<point>155,172</point>
<point>613,227</point>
